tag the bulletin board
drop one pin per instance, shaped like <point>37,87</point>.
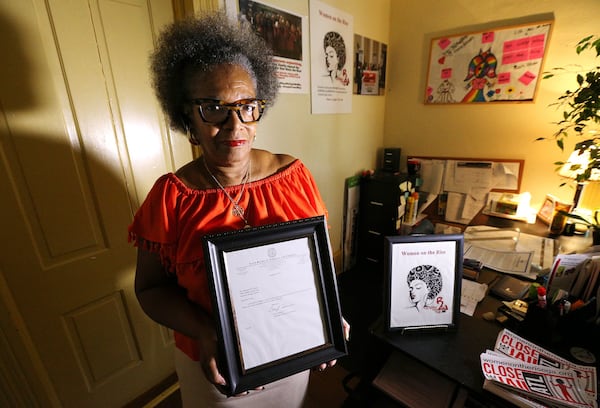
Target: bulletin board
<point>506,173</point>
<point>496,65</point>
<point>464,185</point>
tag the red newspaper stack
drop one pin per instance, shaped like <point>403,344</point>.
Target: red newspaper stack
<point>530,376</point>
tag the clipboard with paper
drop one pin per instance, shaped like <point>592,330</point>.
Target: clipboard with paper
<point>510,251</point>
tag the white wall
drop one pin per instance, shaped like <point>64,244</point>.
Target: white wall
<point>503,130</point>
<point>332,146</point>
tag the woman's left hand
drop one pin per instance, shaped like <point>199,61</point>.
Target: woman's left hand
<point>331,363</point>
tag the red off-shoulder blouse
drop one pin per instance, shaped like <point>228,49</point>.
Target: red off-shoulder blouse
<point>173,218</point>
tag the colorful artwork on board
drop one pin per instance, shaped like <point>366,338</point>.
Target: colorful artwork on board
<point>501,65</point>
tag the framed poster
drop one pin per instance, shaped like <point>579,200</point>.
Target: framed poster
<point>275,301</point>
<point>495,65</point>
<point>423,276</point>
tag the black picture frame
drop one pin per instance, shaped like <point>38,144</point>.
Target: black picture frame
<point>251,273</point>
<point>422,282</point>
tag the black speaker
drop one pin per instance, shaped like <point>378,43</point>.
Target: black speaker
<point>391,159</point>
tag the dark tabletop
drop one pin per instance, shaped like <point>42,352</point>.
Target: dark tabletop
<point>452,353</point>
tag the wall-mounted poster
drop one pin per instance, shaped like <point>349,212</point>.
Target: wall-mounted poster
<point>370,58</point>
<point>283,31</point>
<point>331,35</point>
<point>501,64</point>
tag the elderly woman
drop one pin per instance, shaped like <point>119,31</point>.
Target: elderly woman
<point>214,80</point>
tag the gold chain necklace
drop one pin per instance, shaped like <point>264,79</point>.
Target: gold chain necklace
<point>237,210</point>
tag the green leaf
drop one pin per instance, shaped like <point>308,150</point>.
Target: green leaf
<point>576,216</point>
<point>579,108</point>
<point>585,39</point>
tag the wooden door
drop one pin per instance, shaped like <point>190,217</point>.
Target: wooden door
<point>82,141</point>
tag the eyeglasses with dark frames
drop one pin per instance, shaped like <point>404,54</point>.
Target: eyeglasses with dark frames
<point>217,112</point>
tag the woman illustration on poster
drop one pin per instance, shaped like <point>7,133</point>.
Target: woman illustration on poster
<point>335,58</point>
<point>424,286</point>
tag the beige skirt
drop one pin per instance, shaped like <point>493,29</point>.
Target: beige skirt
<point>197,392</point>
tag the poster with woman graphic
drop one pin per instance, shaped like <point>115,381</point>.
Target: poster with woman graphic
<point>331,45</point>
<point>423,281</point>
<point>499,65</point>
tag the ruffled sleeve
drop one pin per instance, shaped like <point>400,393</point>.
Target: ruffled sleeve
<point>154,225</point>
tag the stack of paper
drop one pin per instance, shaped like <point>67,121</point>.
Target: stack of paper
<point>509,250</point>
<point>471,294</point>
<point>576,275</point>
<point>531,376</point>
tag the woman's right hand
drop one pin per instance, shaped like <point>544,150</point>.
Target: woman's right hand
<point>166,303</point>
<point>208,360</point>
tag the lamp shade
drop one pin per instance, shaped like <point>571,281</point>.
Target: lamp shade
<point>577,164</point>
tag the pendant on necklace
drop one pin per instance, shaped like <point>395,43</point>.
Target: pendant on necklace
<point>237,210</point>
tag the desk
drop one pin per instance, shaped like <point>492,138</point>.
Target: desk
<point>455,355</point>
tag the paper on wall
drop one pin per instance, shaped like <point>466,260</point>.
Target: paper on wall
<point>462,176</point>
<point>462,207</point>
<point>505,176</point>
<point>432,173</point>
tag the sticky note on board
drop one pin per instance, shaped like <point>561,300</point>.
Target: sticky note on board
<point>527,77</point>
<point>504,78</point>
<point>443,43</point>
<point>487,37</point>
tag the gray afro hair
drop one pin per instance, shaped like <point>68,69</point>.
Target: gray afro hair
<point>200,44</point>
<point>428,274</point>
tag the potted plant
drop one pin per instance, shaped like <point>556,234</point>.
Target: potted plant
<point>581,117</point>
<point>592,222</point>
<point>581,110</point>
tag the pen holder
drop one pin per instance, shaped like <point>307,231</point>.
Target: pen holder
<point>541,325</point>
<point>547,327</point>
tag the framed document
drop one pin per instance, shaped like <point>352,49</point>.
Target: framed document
<point>423,276</point>
<point>275,301</point>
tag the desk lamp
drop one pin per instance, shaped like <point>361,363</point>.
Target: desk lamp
<point>575,169</point>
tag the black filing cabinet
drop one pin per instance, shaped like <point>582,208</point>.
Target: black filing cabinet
<point>378,215</point>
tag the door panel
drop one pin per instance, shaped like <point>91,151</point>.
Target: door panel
<point>82,141</point>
